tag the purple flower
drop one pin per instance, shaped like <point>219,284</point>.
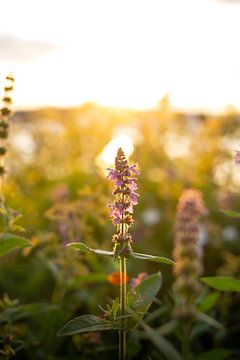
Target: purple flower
<point>134,198</point>
<point>132,168</point>
<point>112,174</point>
<point>124,178</point>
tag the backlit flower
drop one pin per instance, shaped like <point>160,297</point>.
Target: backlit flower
<point>121,210</point>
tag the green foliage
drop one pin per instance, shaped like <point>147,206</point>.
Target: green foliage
<point>154,258</point>
<point>215,354</point>
<point>85,248</point>
<point>10,242</point>
<point>60,188</point>
<point>143,294</point>
<point>231,213</point>
<point>209,301</point>
<point>222,283</point>
<point>140,298</point>
<point>86,323</point>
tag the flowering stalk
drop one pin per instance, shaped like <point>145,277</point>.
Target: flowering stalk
<point>124,178</point>
<point>4,124</point>
<point>188,262</point>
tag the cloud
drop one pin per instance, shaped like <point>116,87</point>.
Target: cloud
<point>19,50</point>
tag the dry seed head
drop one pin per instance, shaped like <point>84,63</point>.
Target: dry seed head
<point>4,122</point>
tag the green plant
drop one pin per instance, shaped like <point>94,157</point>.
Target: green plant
<point>126,312</point>
<point>8,216</point>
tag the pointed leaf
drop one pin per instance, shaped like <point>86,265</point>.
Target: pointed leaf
<point>160,259</point>
<point>215,354</point>
<point>147,289</point>
<point>10,242</point>
<point>163,345</point>
<point>86,323</point>
<point>223,283</point>
<point>85,248</point>
<point>210,321</point>
<point>140,298</point>
<point>231,213</point>
<point>19,312</point>
<point>209,301</point>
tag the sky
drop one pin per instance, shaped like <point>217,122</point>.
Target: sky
<point>122,53</point>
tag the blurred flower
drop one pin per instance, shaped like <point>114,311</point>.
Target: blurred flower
<point>230,233</point>
<point>136,281</point>
<point>60,193</point>
<point>114,278</point>
<point>151,216</point>
<point>187,254</point>
<point>237,157</point>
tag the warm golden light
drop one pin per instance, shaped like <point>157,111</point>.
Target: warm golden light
<point>123,66</point>
<point>107,157</point>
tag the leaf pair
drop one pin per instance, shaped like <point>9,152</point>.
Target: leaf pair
<point>84,248</point>
<point>139,300</point>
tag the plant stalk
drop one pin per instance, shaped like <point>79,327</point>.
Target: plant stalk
<point>123,306</point>
<point>186,341</point>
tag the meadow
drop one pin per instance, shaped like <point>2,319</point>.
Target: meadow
<point>57,191</point>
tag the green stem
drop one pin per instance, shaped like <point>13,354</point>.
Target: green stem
<point>123,306</point>
<point>186,340</point>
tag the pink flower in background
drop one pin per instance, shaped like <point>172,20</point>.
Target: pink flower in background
<point>237,157</point>
<point>136,281</point>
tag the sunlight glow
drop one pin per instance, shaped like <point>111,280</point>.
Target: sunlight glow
<point>107,157</point>
<point>176,145</point>
<point>95,58</point>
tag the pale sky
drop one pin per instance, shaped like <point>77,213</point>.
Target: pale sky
<point>124,53</point>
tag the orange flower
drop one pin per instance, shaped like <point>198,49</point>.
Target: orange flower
<point>114,278</point>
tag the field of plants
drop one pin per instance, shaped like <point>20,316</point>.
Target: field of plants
<point>119,234</point>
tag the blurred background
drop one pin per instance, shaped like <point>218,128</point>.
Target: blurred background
<point>161,79</point>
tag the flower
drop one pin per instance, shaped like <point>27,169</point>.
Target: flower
<point>121,210</point>
<point>114,278</point>
<point>187,254</point>
<point>237,157</point>
<point>136,281</point>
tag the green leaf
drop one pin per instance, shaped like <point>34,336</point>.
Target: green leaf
<point>86,323</point>
<point>210,321</point>
<point>162,345</point>
<point>215,354</point>
<point>209,301</point>
<point>140,298</point>
<point>10,242</point>
<point>147,290</point>
<point>223,283</point>
<point>231,213</point>
<point>19,312</point>
<point>160,259</point>
<point>84,248</point>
